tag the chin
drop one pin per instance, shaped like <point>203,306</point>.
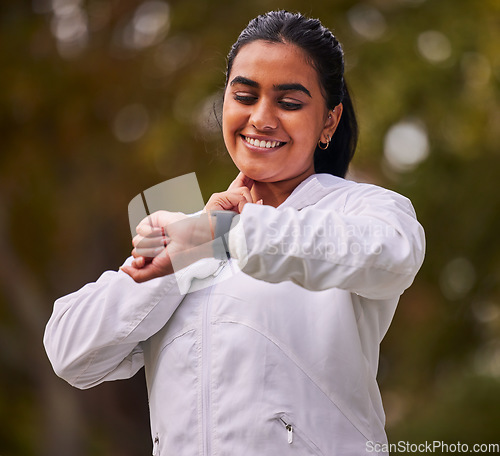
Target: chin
<point>258,175</point>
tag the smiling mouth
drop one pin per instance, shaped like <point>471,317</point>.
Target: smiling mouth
<point>263,144</point>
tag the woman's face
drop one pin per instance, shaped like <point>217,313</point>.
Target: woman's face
<point>274,112</point>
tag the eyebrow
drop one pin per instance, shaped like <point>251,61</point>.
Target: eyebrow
<point>279,88</point>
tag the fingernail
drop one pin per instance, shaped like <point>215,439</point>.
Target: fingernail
<point>261,201</point>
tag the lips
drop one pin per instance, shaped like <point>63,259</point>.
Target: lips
<point>263,144</point>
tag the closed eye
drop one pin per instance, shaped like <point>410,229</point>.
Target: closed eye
<point>245,99</point>
<point>290,106</point>
<point>249,99</point>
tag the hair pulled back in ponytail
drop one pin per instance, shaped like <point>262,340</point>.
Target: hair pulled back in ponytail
<point>327,57</point>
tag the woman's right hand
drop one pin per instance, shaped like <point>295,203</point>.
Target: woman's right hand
<point>154,245</point>
<point>234,198</point>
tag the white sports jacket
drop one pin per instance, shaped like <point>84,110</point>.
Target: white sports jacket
<point>280,359</point>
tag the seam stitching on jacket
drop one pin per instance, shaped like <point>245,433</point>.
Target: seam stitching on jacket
<point>170,342</point>
<point>121,339</point>
<point>341,409</point>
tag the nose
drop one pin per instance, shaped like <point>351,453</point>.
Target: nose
<point>264,116</point>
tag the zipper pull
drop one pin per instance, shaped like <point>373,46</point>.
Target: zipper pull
<point>289,429</point>
<point>220,268</point>
<point>156,444</point>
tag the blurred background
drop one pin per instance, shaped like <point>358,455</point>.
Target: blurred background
<point>101,99</point>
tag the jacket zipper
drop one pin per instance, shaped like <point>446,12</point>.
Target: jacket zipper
<point>205,367</point>
<point>294,434</point>
<point>220,268</point>
<point>205,375</point>
<point>289,429</point>
<point>206,341</point>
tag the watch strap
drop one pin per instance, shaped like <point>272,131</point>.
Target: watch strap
<point>223,220</point>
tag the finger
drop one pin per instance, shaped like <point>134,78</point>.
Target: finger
<point>147,252</point>
<point>232,201</point>
<point>150,270</point>
<point>137,253</point>
<point>145,222</point>
<point>150,242</point>
<point>247,198</point>
<point>147,230</point>
<point>137,239</point>
<point>138,262</point>
<point>241,181</point>
<point>240,206</point>
<point>140,275</point>
<point>246,193</point>
<point>229,200</point>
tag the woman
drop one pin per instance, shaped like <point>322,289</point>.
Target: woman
<point>274,350</point>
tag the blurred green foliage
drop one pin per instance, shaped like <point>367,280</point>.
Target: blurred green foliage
<point>100,99</point>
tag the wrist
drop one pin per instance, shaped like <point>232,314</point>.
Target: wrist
<point>220,224</point>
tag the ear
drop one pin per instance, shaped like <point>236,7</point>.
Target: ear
<point>332,121</point>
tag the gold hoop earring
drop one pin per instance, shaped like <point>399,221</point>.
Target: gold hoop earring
<point>324,146</point>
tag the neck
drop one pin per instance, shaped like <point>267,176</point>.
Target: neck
<point>274,193</point>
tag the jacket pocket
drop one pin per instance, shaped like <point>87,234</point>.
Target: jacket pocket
<point>296,436</point>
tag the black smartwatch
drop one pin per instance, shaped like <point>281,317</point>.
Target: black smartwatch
<point>221,222</point>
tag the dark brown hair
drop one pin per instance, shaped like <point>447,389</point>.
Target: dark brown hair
<point>327,57</point>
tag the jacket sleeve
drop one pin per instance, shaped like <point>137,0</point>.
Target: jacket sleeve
<point>95,334</point>
<point>373,245</point>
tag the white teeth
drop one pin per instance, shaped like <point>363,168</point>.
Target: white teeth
<point>263,144</point>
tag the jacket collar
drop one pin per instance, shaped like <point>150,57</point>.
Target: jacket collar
<point>311,190</point>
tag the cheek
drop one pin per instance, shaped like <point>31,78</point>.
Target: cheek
<point>229,121</point>
<point>307,134</point>
<point>313,133</point>
<point>226,121</point>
